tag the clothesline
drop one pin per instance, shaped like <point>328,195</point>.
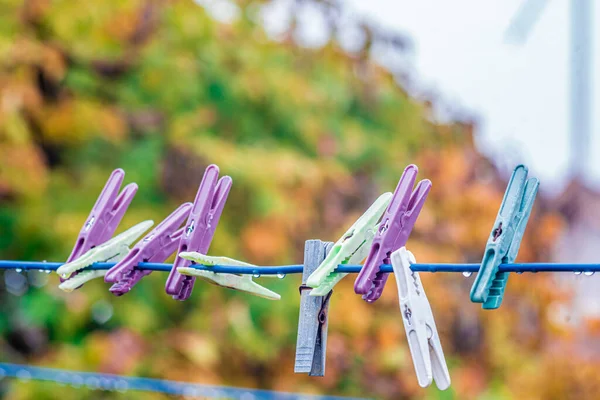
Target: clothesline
<point>120,383</point>
<point>283,270</point>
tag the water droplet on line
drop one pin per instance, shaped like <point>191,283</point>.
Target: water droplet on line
<point>281,275</point>
<point>588,273</point>
<point>19,270</point>
<point>23,375</point>
<point>467,274</point>
<point>256,274</point>
<point>577,272</point>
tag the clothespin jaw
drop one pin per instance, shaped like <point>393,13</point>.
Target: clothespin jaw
<point>395,228</point>
<point>421,331</point>
<point>156,247</point>
<point>106,214</point>
<point>200,228</point>
<point>352,247</point>
<point>311,344</point>
<point>111,250</point>
<point>505,238</point>
<point>242,283</point>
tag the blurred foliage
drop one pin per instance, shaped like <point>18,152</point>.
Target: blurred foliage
<point>310,136</point>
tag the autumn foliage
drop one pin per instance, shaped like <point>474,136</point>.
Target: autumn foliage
<point>310,138</point>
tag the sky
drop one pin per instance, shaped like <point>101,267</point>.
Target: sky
<point>518,92</point>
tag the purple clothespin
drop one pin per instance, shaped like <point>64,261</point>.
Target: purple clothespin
<point>105,216</point>
<point>200,228</point>
<point>394,230</point>
<point>156,247</point>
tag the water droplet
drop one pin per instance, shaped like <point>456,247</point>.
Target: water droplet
<point>256,274</point>
<point>281,275</point>
<point>519,272</point>
<point>121,385</point>
<point>93,383</point>
<point>23,374</point>
<point>19,270</point>
<point>577,272</point>
<point>76,381</point>
<point>38,278</point>
<point>467,274</point>
<point>102,312</point>
<point>15,283</point>
<point>47,271</point>
<point>247,396</point>
<point>588,273</point>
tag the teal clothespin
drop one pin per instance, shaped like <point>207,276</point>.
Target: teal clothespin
<point>503,245</point>
<point>112,250</point>
<point>352,248</point>
<point>243,283</point>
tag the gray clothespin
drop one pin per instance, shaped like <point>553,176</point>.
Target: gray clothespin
<point>311,345</point>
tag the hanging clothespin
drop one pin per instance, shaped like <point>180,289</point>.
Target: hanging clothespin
<point>351,248</point>
<point>395,228</point>
<point>107,213</point>
<point>112,250</point>
<point>155,247</point>
<point>311,344</point>
<point>200,228</point>
<point>421,332</point>
<point>505,239</point>
<point>242,283</point>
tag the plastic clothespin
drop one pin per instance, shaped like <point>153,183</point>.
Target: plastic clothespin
<point>394,230</point>
<point>421,332</point>
<point>242,283</point>
<point>311,344</point>
<point>352,248</point>
<point>156,247</point>
<point>505,239</point>
<point>200,228</point>
<point>113,250</point>
<point>105,216</point>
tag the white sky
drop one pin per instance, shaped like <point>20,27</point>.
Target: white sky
<point>519,92</point>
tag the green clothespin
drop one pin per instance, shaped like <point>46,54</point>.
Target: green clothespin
<point>352,248</point>
<point>243,283</point>
<point>112,250</point>
<point>503,245</point>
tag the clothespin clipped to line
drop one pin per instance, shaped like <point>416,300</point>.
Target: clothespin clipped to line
<point>106,214</point>
<point>242,283</point>
<point>505,238</point>
<point>93,244</point>
<point>351,248</point>
<point>155,247</point>
<point>311,343</point>
<point>200,229</point>
<point>113,250</point>
<point>395,228</point>
<point>421,332</point>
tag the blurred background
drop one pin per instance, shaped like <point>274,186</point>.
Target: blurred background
<point>314,108</point>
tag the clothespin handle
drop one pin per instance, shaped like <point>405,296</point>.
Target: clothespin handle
<point>395,228</point>
<point>200,228</point>
<point>106,214</point>
<point>157,246</point>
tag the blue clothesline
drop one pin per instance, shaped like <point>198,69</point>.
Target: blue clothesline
<point>119,383</point>
<point>297,269</point>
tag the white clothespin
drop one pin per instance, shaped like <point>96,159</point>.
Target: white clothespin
<point>421,332</point>
<point>112,250</point>
<point>242,283</point>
